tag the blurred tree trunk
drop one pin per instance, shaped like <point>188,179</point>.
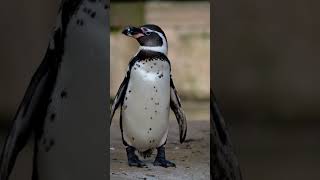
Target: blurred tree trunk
<point>223,162</point>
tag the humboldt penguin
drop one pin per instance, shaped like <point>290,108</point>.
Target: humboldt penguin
<point>146,95</point>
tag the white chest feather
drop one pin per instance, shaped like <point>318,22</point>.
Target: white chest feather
<point>145,111</point>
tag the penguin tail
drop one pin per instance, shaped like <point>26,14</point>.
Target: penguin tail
<point>146,153</point>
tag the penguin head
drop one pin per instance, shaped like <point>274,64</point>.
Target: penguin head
<point>150,37</point>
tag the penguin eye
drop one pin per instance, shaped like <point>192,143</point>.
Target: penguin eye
<point>147,33</point>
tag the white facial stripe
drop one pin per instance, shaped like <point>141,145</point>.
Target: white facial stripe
<point>163,49</point>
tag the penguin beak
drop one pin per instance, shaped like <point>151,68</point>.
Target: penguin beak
<point>133,32</point>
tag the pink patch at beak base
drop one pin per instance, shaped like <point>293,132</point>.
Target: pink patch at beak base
<point>136,36</point>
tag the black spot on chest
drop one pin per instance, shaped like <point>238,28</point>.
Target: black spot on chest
<point>93,15</point>
<point>80,22</point>
<point>89,12</point>
<point>48,144</point>
<point>52,117</point>
<point>63,94</point>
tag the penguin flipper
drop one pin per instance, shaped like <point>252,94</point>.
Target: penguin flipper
<point>32,108</point>
<point>178,111</point>
<point>120,95</point>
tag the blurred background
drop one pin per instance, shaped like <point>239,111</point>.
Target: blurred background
<point>187,28</point>
<point>265,72</point>
<point>25,29</point>
<point>266,78</point>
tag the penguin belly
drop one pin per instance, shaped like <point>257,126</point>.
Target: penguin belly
<point>145,109</point>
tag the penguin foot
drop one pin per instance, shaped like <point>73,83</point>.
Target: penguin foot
<point>136,162</point>
<point>133,159</point>
<point>161,159</point>
<point>163,162</point>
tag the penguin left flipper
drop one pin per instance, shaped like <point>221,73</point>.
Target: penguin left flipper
<point>178,111</point>
<point>32,108</point>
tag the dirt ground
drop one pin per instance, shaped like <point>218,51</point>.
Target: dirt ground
<point>192,158</point>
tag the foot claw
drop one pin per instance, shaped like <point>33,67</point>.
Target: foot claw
<point>163,162</point>
<point>135,161</point>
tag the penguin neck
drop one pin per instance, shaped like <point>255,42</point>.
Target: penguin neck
<point>161,49</point>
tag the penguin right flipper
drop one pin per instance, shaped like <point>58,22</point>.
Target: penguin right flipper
<point>177,109</point>
<point>120,94</point>
<point>32,108</point>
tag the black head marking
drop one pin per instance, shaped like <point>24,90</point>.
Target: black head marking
<point>154,28</point>
<point>148,35</point>
<point>153,38</point>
